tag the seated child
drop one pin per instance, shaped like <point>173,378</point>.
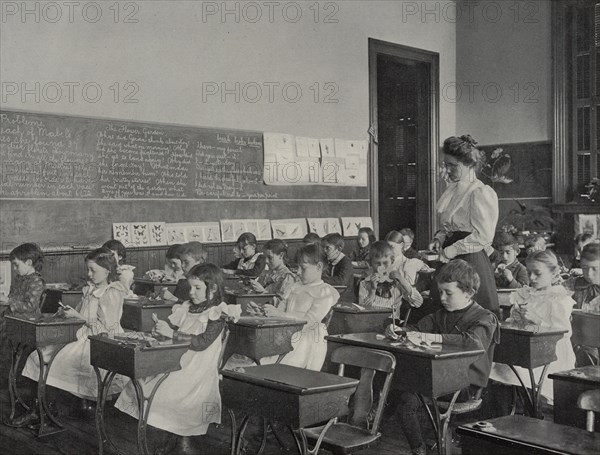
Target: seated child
<point>544,304</point>
<point>461,322</point>
<point>250,263</point>
<point>587,287</point>
<point>278,279</point>
<point>24,296</point>
<point>408,267</point>
<point>385,287</point>
<point>408,237</point>
<point>366,237</point>
<point>586,293</point>
<point>338,270</point>
<point>124,271</point>
<point>173,267</point>
<point>310,302</point>
<point>190,254</point>
<point>580,241</point>
<point>509,273</point>
<point>101,307</point>
<point>188,401</point>
<point>310,238</point>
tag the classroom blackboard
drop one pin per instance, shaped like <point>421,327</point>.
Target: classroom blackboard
<point>67,178</point>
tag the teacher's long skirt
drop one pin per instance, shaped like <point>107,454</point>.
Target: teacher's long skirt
<point>487,295</point>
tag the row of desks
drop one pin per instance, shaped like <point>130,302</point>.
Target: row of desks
<point>432,373</point>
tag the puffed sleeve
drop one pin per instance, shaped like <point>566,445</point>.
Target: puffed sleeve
<point>179,313</point>
<point>110,309</point>
<point>29,302</point>
<point>560,314</point>
<point>321,304</point>
<point>483,217</point>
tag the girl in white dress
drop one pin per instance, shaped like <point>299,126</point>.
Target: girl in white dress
<point>101,307</point>
<point>188,401</point>
<point>468,212</point>
<point>124,271</point>
<point>310,302</point>
<point>547,305</point>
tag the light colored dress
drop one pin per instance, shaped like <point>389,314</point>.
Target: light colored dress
<point>279,282</point>
<point>102,308</point>
<point>311,303</point>
<point>549,308</point>
<point>125,272</point>
<point>188,401</point>
<point>468,206</point>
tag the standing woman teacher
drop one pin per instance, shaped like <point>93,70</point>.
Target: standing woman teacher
<point>468,212</point>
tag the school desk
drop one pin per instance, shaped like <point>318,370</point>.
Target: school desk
<point>292,396</point>
<point>144,286</point>
<point>25,333</point>
<point>530,347</point>
<point>568,385</point>
<point>429,372</point>
<point>258,337</point>
<point>520,435</point>
<point>242,298</point>
<point>349,319</point>
<point>586,328</point>
<point>136,360</point>
<point>68,297</point>
<point>137,313</point>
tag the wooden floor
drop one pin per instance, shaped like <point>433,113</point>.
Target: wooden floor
<point>80,436</point>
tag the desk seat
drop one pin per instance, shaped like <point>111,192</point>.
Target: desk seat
<point>353,437</point>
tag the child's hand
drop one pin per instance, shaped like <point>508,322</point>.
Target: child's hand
<point>165,294</point>
<point>254,309</point>
<point>162,328</point>
<point>270,310</point>
<point>71,313</point>
<point>435,245</point>
<point>228,271</point>
<point>3,297</point>
<point>256,286</point>
<point>508,275</point>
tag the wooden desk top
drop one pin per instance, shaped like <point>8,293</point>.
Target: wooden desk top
<point>353,310</point>
<point>589,375</point>
<point>46,319</point>
<point>130,344</point>
<point>249,295</point>
<point>535,434</point>
<point>267,322</point>
<point>530,331</point>
<point>298,381</point>
<point>369,340</point>
<point>154,283</point>
<point>143,302</point>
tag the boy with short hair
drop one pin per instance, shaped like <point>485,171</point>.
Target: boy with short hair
<point>190,254</point>
<point>339,270</point>
<point>462,322</point>
<point>510,273</point>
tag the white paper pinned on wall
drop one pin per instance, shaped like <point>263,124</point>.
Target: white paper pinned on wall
<point>327,148</point>
<point>289,229</point>
<point>351,225</point>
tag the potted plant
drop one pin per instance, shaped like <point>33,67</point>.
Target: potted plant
<point>530,220</point>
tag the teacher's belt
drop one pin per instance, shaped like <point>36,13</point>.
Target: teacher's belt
<point>453,237</point>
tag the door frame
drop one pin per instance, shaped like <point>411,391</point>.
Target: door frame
<point>429,189</point>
